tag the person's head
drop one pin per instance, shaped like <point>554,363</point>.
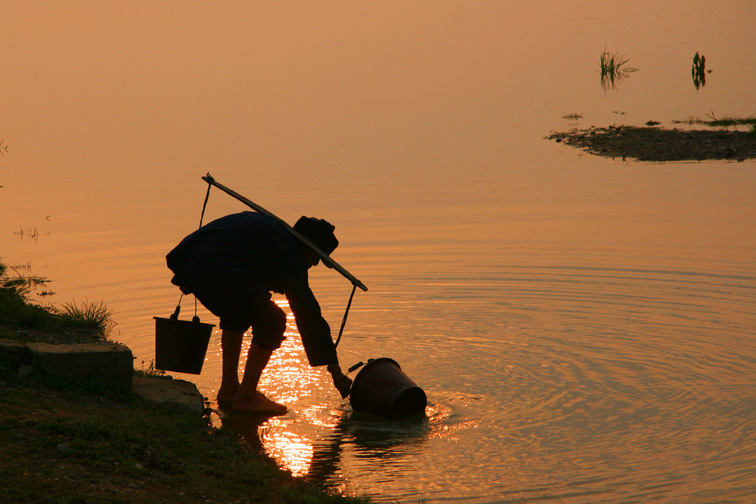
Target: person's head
<point>319,232</point>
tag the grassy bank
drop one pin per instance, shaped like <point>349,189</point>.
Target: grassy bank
<point>64,447</point>
<point>60,444</point>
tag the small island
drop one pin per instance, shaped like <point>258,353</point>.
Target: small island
<point>651,143</point>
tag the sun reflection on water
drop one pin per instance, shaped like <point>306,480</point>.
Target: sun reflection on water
<point>288,378</point>
<point>291,450</point>
<point>321,434</point>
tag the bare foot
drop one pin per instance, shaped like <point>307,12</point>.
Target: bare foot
<point>259,404</point>
<point>226,395</point>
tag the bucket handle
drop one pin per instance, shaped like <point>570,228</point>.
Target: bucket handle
<point>195,319</point>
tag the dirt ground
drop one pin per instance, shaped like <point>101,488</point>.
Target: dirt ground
<point>658,144</point>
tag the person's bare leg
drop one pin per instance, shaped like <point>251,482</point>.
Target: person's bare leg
<point>248,398</point>
<point>231,342</point>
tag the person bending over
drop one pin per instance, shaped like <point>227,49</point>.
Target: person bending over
<point>232,265</point>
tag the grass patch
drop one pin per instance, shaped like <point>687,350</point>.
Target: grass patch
<point>613,69</point>
<point>728,121</point>
<point>573,116</point>
<point>150,371</point>
<point>723,122</point>
<point>89,316</point>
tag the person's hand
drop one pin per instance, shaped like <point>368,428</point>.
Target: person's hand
<point>344,385</point>
<point>341,381</point>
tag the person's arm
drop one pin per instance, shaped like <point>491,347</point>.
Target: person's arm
<point>315,331</point>
<point>316,336</point>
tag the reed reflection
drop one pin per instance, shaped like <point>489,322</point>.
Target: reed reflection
<point>698,70</point>
<point>613,69</point>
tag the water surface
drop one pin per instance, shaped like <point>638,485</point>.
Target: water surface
<point>583,327</point>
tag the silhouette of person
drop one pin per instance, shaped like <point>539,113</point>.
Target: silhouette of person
<point>232,265</point>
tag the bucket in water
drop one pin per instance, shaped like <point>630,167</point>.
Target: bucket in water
<point>382,388</point>
<point>181,345</point>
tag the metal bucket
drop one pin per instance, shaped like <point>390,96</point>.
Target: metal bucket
<point>181,345</point>
<point>382,388</point>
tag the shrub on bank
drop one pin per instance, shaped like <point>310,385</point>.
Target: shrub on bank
<point>23,318</point>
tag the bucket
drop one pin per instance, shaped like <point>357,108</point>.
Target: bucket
<point>181,345</point>
<point>382,388</point>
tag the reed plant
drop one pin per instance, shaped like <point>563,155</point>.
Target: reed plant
<point>698,71</point>
<point>723,122</point>
<point>573,116</point>
<point>728,121</point>
<point>613,69</point>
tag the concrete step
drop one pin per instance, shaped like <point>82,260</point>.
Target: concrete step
<point>106,363</point>
<point>110,364</point>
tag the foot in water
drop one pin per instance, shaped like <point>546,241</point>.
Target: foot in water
<point>258,404</point>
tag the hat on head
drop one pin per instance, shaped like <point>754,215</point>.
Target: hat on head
<point>318,231</point>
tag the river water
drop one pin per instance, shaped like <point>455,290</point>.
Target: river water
<point>583,327</point>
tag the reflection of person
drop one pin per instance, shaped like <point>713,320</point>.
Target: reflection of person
<point>231,265</point>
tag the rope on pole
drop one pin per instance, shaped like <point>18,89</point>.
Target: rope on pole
<point>343,322</point>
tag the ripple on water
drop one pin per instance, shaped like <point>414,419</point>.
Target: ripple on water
<point>567,384</point>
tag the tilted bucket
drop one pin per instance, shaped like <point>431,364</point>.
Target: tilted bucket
<point>181,345</point>
<point>382,388</point>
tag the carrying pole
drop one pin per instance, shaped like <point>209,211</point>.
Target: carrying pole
<point>322,255</point>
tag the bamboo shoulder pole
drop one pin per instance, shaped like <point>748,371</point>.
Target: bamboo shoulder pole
<point>323,256</point>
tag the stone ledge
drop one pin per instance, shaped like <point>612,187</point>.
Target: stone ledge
<point>109,363</point>
<point>106,362</point>
<point>14,354</point>
<point>161,390</point>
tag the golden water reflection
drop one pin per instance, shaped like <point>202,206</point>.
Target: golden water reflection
<point>291,450</point>
<point>321,434</point>
<point>601,308</point>
<point>288,379</point>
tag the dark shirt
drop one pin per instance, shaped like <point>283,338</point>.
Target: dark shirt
<point>256,251</point>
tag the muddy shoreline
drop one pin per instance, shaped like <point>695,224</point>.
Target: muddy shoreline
<point>659,144</point>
